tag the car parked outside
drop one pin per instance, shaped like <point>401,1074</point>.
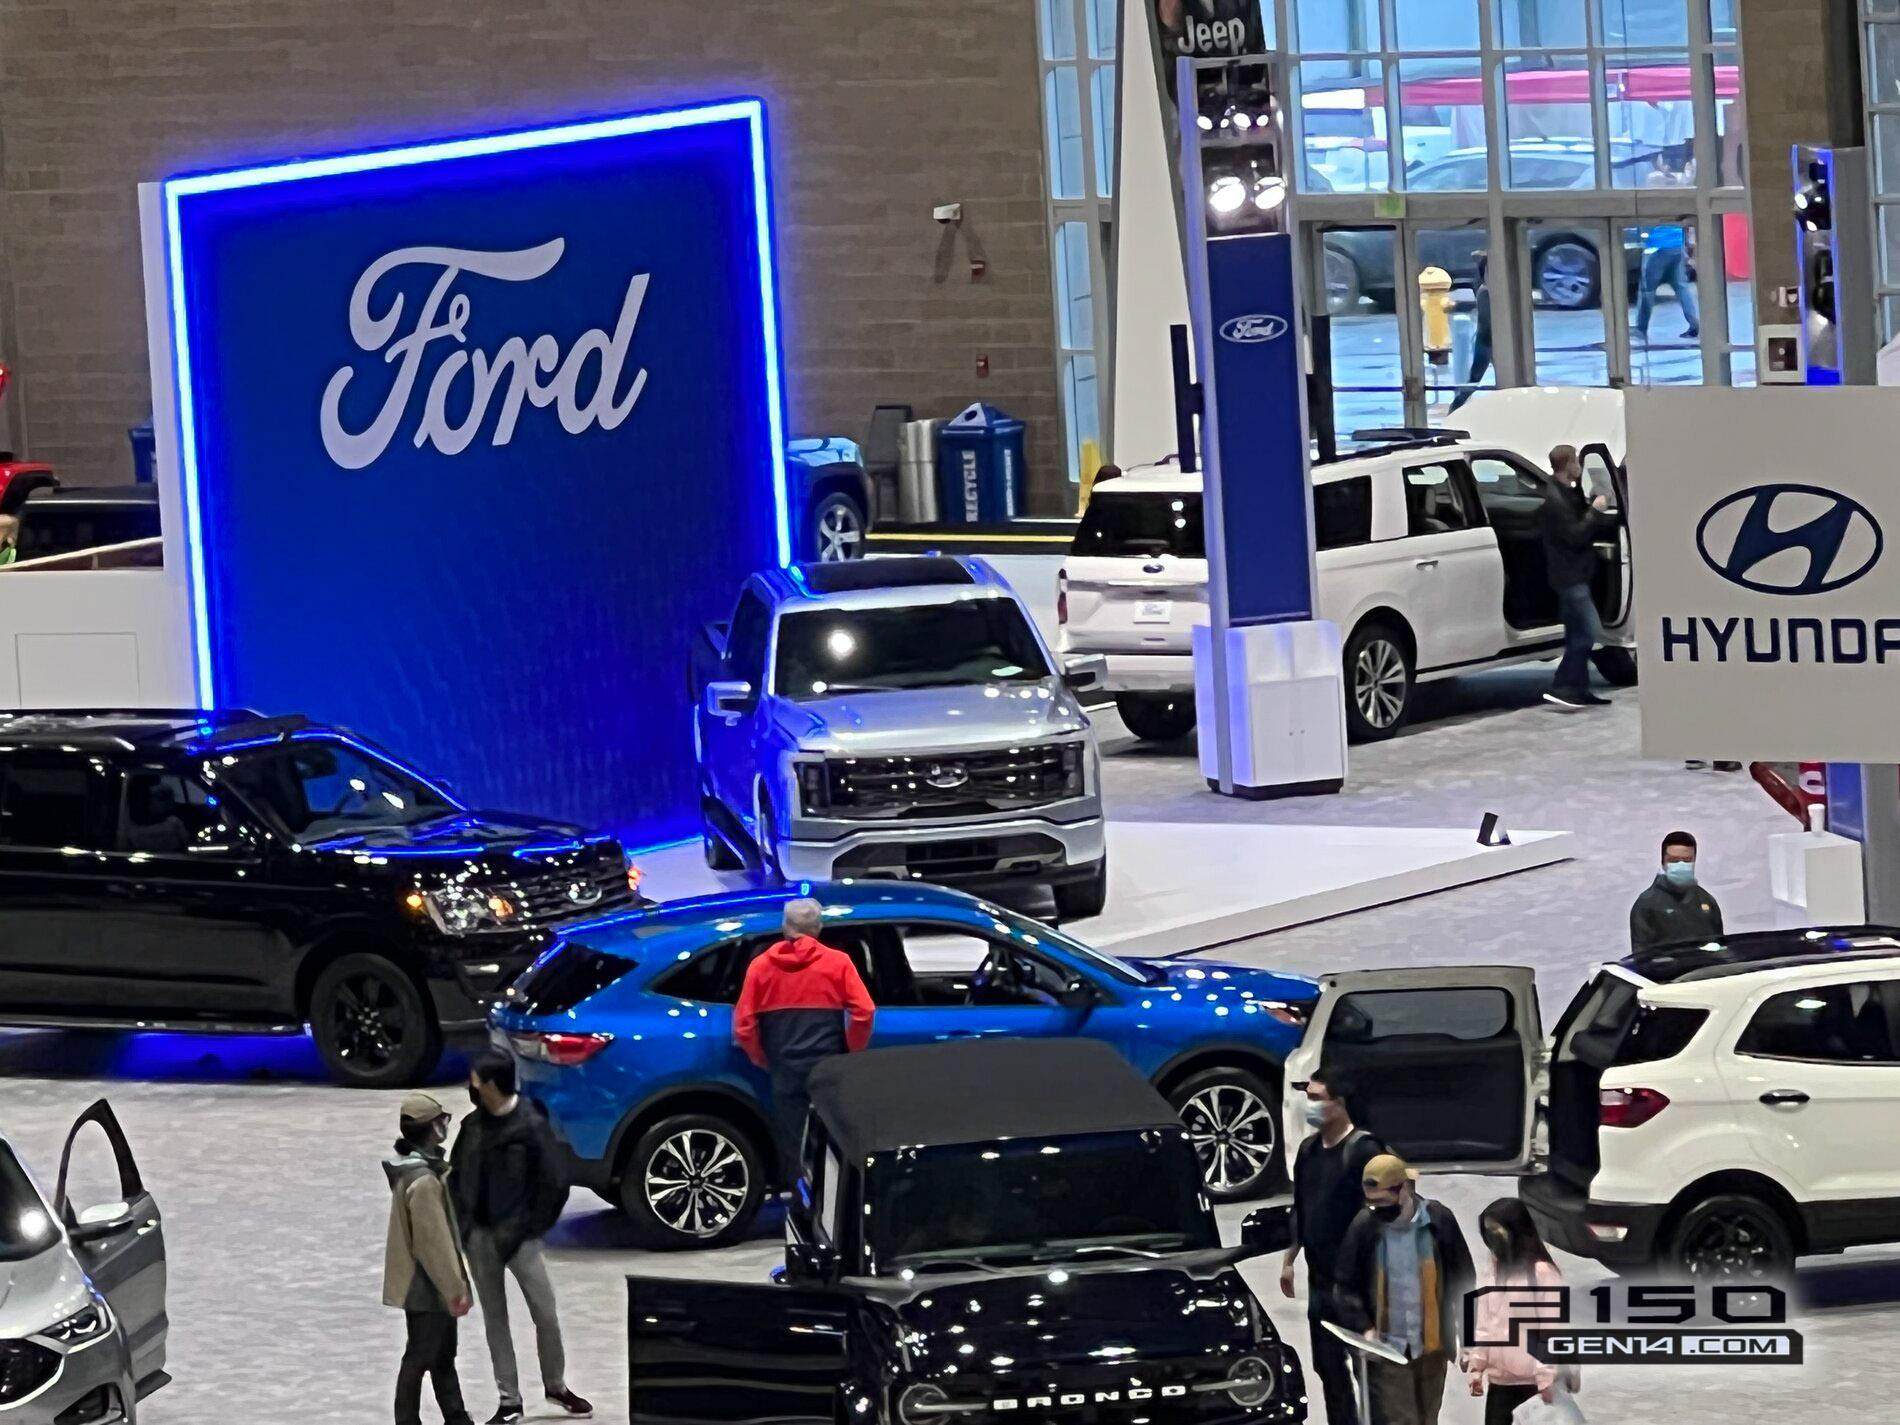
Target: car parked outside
<point>1430,561</point>
<point>832,497</point>
<point>83,1326</point>
<point>226,873</point>
<point>896,718</point>
<point>624,1036</point>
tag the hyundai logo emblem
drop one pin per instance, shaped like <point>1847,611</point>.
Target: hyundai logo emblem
<point>1789,539</point>
<point>946,776</point>
<point>580,893</point>
<point>1259,327</point>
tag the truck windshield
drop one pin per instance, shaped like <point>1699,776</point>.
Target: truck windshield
<point>824,652</point>
<point>26,1227</point>
<point>1036,1200</point>
<point>1132,524</point>
<point>315,789</point>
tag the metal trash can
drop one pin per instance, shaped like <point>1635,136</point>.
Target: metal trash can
<point>917,473</point>
<point>980,467</point>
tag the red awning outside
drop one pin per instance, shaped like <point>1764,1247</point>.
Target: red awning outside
<point>1653,84</point>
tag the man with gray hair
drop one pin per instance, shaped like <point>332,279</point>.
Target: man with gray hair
<point>802,1002</point>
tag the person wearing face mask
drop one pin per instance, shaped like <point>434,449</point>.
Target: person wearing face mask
<point>1403,1274</point>
<point>424,1276</point>
<point>1326,1197</point>
<point>1571,526</point>
<point>1675,906</point>
<point>1507,1376</point>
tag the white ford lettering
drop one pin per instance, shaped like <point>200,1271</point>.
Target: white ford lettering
<point>516,370</point>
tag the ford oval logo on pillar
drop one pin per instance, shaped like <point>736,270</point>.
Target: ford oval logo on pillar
<point>1259,327</point>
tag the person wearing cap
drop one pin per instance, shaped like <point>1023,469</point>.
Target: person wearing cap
<point>1674,906</point>
<point>1402,1277</point>
<point>424,1276</point>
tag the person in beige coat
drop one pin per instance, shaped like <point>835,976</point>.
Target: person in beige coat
<point>424,1275</point>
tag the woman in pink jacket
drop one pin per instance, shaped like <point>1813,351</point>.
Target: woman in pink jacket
<point>1507,1376</point>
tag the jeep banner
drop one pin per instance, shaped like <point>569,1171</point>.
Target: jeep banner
<point>1767,580</point>
<point>1205,29</point>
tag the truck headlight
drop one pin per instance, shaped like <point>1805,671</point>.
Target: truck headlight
<point>814,786</point>
<point>1074,768</point>
<point>463,910</point>
<point>88,1323</point>
<point>922,1404</point>
<point>1251,1382</point>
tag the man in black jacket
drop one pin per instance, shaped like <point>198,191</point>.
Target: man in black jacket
<point>1675,906</point>
<point>509,1191</point>
<point>1402,1276</point>
<point>1571,527</point>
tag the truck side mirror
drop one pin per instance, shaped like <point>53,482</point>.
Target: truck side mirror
<point>1267,1229</point>
<point>728,698</point>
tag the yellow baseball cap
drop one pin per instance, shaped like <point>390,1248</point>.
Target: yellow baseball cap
<point>1388,1170</point>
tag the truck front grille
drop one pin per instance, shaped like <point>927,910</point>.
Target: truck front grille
<point>578,891</point>
<point>941,786</point>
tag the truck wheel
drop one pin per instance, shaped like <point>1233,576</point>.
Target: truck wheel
<point>692,1180</point>
<point>1617,665</point>
<point>1731,1236</point>
<point>1378,682</point>
<point>372,1025</point>
<point>1233,1118</point>
<point>768,841</point>
<point>719,855</point>
<point>1157,717</point>
<point>1078,900</point>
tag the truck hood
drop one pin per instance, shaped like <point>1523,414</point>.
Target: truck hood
<point>40,1290</point>
<point>464,834</point>
<point>932,719</point>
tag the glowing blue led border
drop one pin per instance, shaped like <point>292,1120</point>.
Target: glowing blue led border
<point>748,111</point>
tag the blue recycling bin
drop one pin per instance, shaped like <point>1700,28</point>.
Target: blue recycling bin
<point>980,467</point>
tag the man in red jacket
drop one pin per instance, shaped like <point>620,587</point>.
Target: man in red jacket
<point>792,1013</point>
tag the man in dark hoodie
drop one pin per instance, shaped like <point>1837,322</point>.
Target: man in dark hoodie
<point>510,1188</point>
<point>1675,906</point>
<point>423,1273</point>
<point>792,1013</point>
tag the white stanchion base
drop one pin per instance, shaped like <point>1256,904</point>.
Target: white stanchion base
<point>1816,879</point>
<point>1285,697</point>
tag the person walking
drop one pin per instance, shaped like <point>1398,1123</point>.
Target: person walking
<point>1675,906</point>
<point>1481,337</point>
<point>1666,264</point>
<point>510,1189</point>
<point>1327,1196</point>
<point>1402,1276</point>
<point>802,1002</point>
<point>1508,1375</point>
<point>1570,527</point>
<point>424,1275</point>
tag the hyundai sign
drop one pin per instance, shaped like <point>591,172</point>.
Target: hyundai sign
<point>473,435</point>
<point>1767,585</point>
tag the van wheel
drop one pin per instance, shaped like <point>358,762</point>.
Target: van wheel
<point>1233,1119</point>
<point>1617,665</point>
<point>372,1025</point>
<point>1730,1236</point>
<point>1378,682</point>
<point>692,1180</point>
<point>1157,717</point>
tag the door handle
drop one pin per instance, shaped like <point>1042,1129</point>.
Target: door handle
<point>1424,563</point>
<point>668,1325</point>
<point>1788,1098</point>
<point>817,1328</point>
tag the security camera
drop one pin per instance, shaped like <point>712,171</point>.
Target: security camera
<point>948,213</point>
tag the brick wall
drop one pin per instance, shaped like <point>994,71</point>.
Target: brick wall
<point>881,109</point>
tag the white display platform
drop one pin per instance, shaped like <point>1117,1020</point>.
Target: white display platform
<point>1182,886</point>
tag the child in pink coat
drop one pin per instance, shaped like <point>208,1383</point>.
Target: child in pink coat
<point>1507,1376</point>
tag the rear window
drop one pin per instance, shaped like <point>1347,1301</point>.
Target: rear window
<point>559,981</point>
<point>1450,1013</point>
<point>1130,525</point>
<point>1659,1034</point>
<point>1342,512</point>
<point>54,806</point>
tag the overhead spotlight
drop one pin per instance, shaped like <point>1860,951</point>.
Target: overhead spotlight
<point>1226,194</point>
<point>1269,193</point>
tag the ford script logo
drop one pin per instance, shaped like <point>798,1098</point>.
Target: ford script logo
<point>946,776</point>
<point>580,893</point>
<point>1255,328</point>
<point>1789,539</point>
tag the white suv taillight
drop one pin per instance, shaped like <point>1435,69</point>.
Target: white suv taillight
<point>1062,596</point>
<point>1628,1108</point>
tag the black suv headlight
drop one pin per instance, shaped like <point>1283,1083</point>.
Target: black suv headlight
<point>86,1324</point>
<point>463,910</point>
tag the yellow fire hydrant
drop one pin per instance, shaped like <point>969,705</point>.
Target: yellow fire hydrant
<point>1434,302</point>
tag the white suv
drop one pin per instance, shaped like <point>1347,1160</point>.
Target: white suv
<point>1430,561</point>
<point>1709,1109</point>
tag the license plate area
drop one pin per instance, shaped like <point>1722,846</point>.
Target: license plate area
<point>1154,611</point>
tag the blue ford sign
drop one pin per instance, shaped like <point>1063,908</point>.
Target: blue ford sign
<point>472,434</point>
<point>1259,326</point>
<point>1789,539</point>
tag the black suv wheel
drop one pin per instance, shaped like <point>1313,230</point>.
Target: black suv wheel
<point>372,1025</point>
<point>692,1180</point>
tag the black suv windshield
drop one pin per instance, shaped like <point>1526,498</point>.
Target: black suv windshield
<point>822,652</point>
<point>26,1227</point>
<point>1035,1200</point>
<point>310,790</point>
<point>1130,524</point>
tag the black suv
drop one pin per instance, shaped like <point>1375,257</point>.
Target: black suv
<point>225,872</point>
<point>956,1249</point>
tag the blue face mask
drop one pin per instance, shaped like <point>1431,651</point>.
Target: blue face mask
<point>1315,1114</point>
<point>1680,873</point>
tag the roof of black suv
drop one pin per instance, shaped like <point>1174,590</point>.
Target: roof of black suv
<point>128,729</point>
<point>937,1095</point>
<point>1759,950</point>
